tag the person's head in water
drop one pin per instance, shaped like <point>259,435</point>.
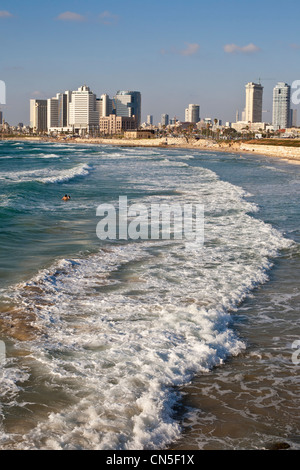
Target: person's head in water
<point>66,197</point>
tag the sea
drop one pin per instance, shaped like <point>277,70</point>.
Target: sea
<point>143,343</point>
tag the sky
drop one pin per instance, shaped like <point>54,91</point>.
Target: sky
<point>174,52</point>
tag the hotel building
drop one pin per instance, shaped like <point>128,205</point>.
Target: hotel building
<point>281,106</point>
<point>192,113</point>
<point>83,113</point>
<point>38,115</point>
<point>113,124</point>
<point>254,99</point>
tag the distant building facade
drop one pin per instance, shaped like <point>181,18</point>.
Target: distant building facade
<point>294,118</point>
<point>83,113</point>
<point>281,106</point>
<point>150,119</point>
<point>139,134</point>
<point>164,120</point>
<point>192,113</point>
<point>38,115</point>
<point>113,124</point>
<point>128,104</point>
<point>254,100</point>
<point>104,105</point>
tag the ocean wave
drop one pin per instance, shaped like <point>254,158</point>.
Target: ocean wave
<point>119,330</point>
<point>46,175</point>
<point>133,321</point>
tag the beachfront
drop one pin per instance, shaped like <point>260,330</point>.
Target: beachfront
<point>285,152</point>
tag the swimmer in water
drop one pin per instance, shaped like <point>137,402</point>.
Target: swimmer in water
<point>66,197</point>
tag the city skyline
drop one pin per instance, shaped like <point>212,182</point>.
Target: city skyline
<point>195,53</point>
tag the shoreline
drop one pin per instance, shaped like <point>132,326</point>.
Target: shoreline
<point>290,154</point>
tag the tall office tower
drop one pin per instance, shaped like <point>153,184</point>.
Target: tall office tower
<point>254,98</point>
<point>293,119</point>
<point>150,119</point>
<point>1,117</point>
<point>192,113</point>
<point>38,114</point>
<point>83,112</point>
<point>281,105</point>
<point>164,120</point>
<point>128,104</point>
<point>104,106</point>
<point>58,110</point>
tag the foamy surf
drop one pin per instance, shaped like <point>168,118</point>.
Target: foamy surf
<point>123,328</point>
<point>47,175</point>
<point>119,331</point>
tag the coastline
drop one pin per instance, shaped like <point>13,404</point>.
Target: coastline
<point>291,154</point>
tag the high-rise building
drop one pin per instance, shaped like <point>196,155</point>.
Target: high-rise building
<point>58,111</point>
<point>113,124</point>
<point>293,120</point>
<point>164,120</point>
<point>128,104</point>
<point>281,106</point>
<point>38,115</point>
<point>104,106</point>
<point>254,99</point>
<point>192,113</point>
<point>83,113</point>
<point>1,117</point>
<point>150,119</point>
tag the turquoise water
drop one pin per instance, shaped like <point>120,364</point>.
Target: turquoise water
<point>102,337</point>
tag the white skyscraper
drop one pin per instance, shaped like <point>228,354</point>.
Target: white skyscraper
<point>150,119</point>
<point>254,99</point>
<point>192,113</point>
<point>58,111</point>
<point>83,114</point>
<point>164,120</point>
<point>104,105</point>
<point>281,106</point>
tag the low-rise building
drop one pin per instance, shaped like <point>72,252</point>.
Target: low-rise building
<point>139,134</point>
<point>113,124</point>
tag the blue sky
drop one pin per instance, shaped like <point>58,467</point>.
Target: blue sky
<point>174,52</point>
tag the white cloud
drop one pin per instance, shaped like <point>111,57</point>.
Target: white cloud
<point>191,49</point>
<point>233,48</point>
<point>70,16</point>
<point>108,18</point>
<point>5,14</point>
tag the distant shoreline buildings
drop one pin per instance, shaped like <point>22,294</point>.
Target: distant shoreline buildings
<point>81,112</point>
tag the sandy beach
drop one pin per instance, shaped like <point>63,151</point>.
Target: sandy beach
<point>289,153</point>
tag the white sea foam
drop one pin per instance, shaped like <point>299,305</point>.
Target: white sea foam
<point>118,330</point>
<point>48,155</point>
<point>46,175</point>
